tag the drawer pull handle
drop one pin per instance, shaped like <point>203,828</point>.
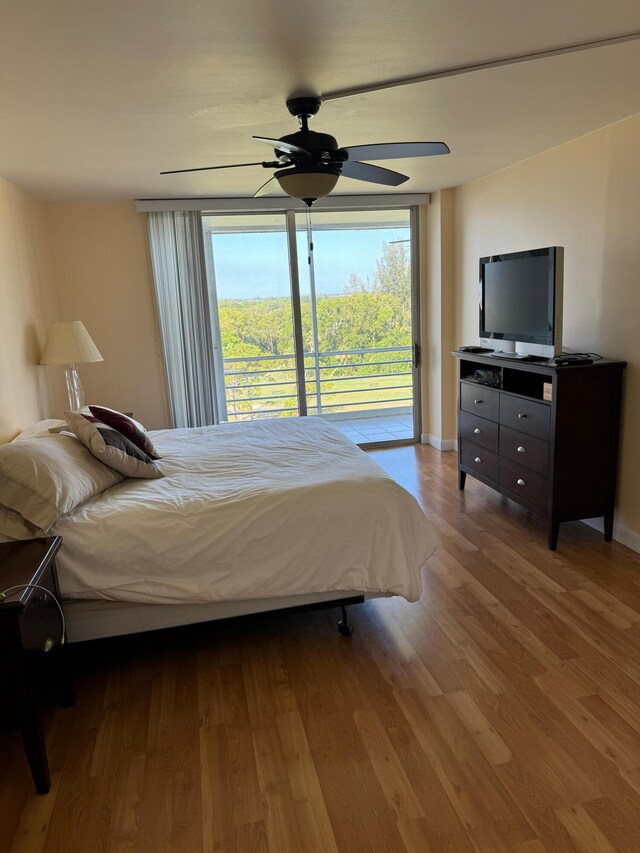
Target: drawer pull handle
<point>477,402</point>
<point>43,597</point>
<point>49,643</point>
<point>521,449</point>
<point>521,415</point>
<point>521,482</point>
<point>478,431</point>
<point>477,459</point>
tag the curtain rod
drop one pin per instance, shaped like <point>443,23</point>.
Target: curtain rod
<point>280,204</point>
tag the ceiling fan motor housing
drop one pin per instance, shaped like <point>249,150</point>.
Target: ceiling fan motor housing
<point>316,144</point>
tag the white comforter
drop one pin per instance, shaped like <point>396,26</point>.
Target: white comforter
<point>252,510</point>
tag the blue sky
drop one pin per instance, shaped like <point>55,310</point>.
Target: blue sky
<point>257,264</point>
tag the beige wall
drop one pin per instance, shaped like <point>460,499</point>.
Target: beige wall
<point>585,196</point>
<point>28,304</point>
<point>103,277</point>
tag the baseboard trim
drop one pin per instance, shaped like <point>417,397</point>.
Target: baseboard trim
<point>438,443</point>
<point>625,537</point>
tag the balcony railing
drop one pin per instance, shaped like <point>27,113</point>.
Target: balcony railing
<point>338,381</point>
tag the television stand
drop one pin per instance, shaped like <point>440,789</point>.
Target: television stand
<point>556,457</point>
<point>515,356</point>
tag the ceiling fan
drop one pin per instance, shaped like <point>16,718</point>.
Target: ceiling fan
<point>308,164</point>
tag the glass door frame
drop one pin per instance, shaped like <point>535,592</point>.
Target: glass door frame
<point>296,309</point>
<point>416,342</point>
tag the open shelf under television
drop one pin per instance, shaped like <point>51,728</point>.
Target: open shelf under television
<point>514,379</point>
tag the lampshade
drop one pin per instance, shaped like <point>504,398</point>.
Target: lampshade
<point>308,185</point>
<point>69,343</point>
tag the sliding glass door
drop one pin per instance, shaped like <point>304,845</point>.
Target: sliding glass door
<point>356,305</point>
<point>252,321</point>
<point>316,321</point>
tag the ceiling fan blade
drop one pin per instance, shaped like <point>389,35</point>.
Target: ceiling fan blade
<point>397,150</point>
<point>209,168</point>
<point>287,147</point>
<point>374,174</point>
<point>268,187</point>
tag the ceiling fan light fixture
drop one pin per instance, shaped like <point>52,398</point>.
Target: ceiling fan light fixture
<point>308,185</point>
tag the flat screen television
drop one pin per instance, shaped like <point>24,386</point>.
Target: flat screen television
<point>521,302</point>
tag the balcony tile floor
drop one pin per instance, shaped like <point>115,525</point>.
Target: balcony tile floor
<point>376,428</point>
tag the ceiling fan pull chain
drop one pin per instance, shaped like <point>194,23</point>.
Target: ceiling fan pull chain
<point>309,234</point>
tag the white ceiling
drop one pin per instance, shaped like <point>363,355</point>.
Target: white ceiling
<point>96,98</point>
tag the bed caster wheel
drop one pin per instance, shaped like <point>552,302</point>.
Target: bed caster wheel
<point>344,629</point>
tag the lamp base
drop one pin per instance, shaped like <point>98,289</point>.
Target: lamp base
<point>75,390</point>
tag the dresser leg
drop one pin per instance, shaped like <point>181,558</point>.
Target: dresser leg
<point>462,477</point>
<point>553,531</point>
<point>608,527</point>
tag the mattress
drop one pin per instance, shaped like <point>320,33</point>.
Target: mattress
<point>259,509</point>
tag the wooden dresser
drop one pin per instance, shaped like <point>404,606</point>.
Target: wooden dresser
<point>556,457</point>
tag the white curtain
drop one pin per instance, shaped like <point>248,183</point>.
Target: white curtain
<point>177,255</point>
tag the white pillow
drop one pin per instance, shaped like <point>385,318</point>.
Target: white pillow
<point>14,525</point>
<point>43,478</point>
<point>42,428</point>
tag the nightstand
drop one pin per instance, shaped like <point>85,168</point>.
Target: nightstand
<point>31,633</point>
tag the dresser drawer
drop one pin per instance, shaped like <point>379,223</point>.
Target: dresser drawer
<point>479,459</point>
<point>524,449</point>
<point>525,415</point>
<point>41,619</point>
<point>479,431</point>
<point>530,485</point>
<point>480,400</point>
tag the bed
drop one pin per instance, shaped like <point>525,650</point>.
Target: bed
<point>248,517</point>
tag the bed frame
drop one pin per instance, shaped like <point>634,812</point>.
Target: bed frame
<point>97,619</point>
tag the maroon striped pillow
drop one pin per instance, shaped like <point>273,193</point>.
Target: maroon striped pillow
<point>127,427</point>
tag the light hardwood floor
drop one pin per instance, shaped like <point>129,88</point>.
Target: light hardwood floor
<point>499,713</point>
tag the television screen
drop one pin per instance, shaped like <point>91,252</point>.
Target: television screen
<point>517,296</point>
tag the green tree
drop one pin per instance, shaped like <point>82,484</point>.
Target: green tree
<point>356,284</point>
<point>365,315</point>
<point>393,275</point>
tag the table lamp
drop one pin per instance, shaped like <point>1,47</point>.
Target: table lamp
<point>70,344</point>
